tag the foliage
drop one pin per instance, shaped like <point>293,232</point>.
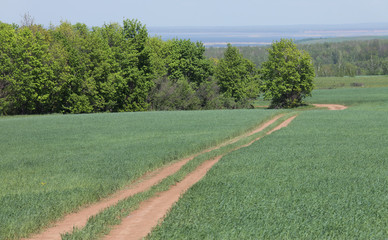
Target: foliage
<point>257,55</point>
<point>287,76</point>
<point>180,95</point>
<point>52,164</point>
<point>71,68</point>
<point>185,79</point>
<point>26,75</point>
<point>173,95</point>
<point>350,58</point>
<point>113,68</point>
<point>237,76</point>
<point>330,58</point>
<point>186,60</point>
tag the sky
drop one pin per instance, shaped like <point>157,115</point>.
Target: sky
<point>154,13</point>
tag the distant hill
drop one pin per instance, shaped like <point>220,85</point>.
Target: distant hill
<point>337,39</point>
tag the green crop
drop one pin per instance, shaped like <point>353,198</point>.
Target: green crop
<point>322,177</point>
<point>345,90</point>
<point>51,165</point>
<point>351,96</point>
<point>102,223</point>
<point>351,82</point>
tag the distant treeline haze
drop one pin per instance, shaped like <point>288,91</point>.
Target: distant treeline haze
<point>349,58</point>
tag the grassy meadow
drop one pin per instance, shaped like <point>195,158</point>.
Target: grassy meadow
<point>322,177</point>
<point>351,82</point>
<point>52,164</point>
<point>345,90</point>
<point>366,97</point>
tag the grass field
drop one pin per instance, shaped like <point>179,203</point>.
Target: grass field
<point>103,222</point>
<point>322,177</point>
<point>342,90</point>
<point>368,97</point>
<point>52,164</point>
<point>351,82</point>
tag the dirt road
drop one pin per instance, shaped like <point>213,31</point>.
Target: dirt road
<point>140,222</point>
<point>331,106</point>
<point>80,218</point>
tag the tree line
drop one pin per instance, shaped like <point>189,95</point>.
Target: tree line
<point>348,58</point>
<point>115,68</point>
<point>75,69</point>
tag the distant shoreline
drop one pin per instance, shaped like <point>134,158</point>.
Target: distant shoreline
<point>265,35</point>
<point>215,44</point>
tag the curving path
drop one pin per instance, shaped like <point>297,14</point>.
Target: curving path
<point>140,222</point>
<point>331,106</point>
<point>80,218</point>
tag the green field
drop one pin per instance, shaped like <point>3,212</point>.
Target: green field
<point>52,164</point>
<point>367,97</point>
<point>352,82</point>
<point>322,177</point>
<point>342,90</point>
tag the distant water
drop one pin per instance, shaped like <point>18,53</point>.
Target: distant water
<point>264,35</point>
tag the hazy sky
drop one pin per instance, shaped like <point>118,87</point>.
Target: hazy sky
<point>198,12</point>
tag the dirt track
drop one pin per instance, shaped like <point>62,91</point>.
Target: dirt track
<point>80,218</point>
<point>140,222</point>
<point>331,106</point>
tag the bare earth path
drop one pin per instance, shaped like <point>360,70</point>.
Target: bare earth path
<point>331,106</point>
<point>80,218</point>
<point>140,222</point>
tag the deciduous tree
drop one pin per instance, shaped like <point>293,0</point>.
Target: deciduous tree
<point>287,76</point>
<point>237,76</point>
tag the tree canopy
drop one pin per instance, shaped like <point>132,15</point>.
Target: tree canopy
<point>347,58</point>
<point>76,69</point>
<point>237,76</point>
<point>114,68</point>
<point>287,76</point>
<point>71,68</point>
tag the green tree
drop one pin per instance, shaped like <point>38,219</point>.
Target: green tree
<point>27,78</point>
<point>287,75</point>
<point>135,62</point>
<point>237,76</point>
<point>8,42</point>
<point>186,60</point>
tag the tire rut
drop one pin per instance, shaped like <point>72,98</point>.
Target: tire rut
<point>80,218</point>
<point>152,211</point>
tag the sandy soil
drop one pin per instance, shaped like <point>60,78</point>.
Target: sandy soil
<point>331,106</point>
<point>140,222</point>
<point>80,218</point>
